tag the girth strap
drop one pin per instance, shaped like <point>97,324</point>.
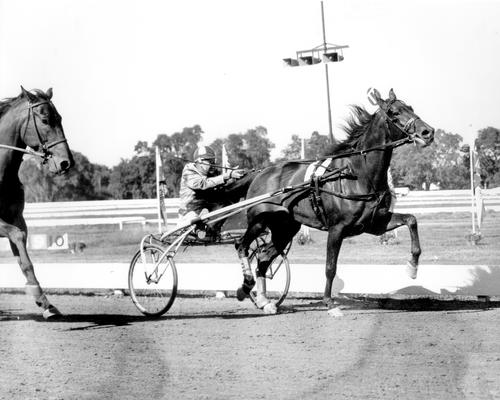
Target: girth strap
<point>316,201</point>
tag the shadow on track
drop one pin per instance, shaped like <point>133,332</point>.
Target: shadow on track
<point>100,321</point>
<point>394,304</point>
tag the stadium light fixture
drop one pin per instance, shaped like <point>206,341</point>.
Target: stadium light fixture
<point>325,53</point>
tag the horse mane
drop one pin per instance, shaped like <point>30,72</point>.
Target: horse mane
<point>358,124</point>
<point>6,103</point>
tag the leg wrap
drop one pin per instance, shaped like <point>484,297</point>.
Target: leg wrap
<point>261,285</point>
<point>33,290</point>
<point>245,268</point>
<point>49,311</point>
<point>37,293</point>
<point>261,300</point>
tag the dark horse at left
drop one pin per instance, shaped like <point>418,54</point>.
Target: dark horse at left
<point>351,197</point>
<point>28,120</point>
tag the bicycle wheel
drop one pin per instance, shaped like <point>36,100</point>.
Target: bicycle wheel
<point>277,275</point>
<point>153,285</point>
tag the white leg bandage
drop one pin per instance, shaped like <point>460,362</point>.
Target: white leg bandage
<point>260,285</point>
<point>245,267</point>
<point>37,293</point>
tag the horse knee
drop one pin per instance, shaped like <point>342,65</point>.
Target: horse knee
<point>17,236</point>
<point>411,221</point>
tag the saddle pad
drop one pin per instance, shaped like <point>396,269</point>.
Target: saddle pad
<point>319,171</point>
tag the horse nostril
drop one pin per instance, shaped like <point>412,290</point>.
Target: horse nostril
<point>64,165</point>
<point>426,133</point>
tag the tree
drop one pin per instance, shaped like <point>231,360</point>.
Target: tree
<point>134,178</point>
<point>78,184</point>
<point>175,151</point>
<point>488,150</point>
<point>451,170</point>
<point>292,150</point>
<point>249,150</point>
<point>314,147</point>
<point>38,184</point>
<point>441,163</point>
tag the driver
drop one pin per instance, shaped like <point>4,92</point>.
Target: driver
<point>196,177</point>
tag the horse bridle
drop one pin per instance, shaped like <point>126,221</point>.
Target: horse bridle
<point>46,154</point>
<point>411,123</point>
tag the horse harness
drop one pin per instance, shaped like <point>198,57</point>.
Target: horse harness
<point>317,181</point>
<point>315,190</point>
<point>45,154</point>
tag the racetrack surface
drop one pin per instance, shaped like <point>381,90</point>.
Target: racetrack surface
<point>206,348</point>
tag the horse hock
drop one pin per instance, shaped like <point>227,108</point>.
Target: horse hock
<point>41,301</point>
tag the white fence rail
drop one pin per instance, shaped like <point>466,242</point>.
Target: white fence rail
<point>145,210</point>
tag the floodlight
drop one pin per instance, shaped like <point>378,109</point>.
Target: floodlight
<point>332,57</point>
<point>291,62</point>
<point>308,60</point>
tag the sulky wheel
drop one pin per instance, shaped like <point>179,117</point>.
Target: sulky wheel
<point>277,275</point>
<point>152,281</point>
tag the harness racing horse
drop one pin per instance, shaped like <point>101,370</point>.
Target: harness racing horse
<point>350,198</point>
<point>29,123</point>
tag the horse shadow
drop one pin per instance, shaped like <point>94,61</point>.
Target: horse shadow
<point>103,321</point>
<point>417,304</point>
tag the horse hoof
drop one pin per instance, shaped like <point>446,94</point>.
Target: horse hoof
<point>261,301</point>
<point>411,270</point>
<point>240,294</point>
<point>335,312</point>
<point>51,313</point>
<point>270,308</point>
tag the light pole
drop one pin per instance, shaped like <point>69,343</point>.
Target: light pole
<point>325,52</point>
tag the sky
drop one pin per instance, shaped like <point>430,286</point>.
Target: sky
<point>128,70</point>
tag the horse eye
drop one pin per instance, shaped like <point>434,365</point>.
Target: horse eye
<point>45,121</point>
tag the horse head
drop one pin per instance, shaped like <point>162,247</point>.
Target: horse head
<point>402,121</point>
<point>41,129</point>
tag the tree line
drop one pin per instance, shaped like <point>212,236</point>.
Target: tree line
<point>444,163</point>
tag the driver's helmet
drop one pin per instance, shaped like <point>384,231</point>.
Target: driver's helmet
<point>204,153</point>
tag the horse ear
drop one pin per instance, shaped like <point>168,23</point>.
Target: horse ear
<point>49,93</point>
<point>31,97</point>
<point>376,95</point>
<point>392,95</point>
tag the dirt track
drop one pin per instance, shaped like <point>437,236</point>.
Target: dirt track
<point>222,349</point>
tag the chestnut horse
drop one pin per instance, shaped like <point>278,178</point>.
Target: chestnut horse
<point>350,198</point>
<point>29,123</point>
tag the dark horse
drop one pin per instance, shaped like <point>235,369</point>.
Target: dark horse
<point>350,198</point>
<point>28,120</point>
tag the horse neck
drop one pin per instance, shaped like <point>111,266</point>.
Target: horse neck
<point>376,163</point>
<point>10,160</point>
<point>239,188</point>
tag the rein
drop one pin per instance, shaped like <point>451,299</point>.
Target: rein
<point>26,150</point>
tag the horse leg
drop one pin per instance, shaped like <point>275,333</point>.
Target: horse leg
<point>282,232</point>
<point>18,237</point>
<point>265,257</point>
<point>410,221</point>
<point>334,242</point>
<point>242,246</point>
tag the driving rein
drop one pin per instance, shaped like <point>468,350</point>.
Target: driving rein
<point>45,154</point>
